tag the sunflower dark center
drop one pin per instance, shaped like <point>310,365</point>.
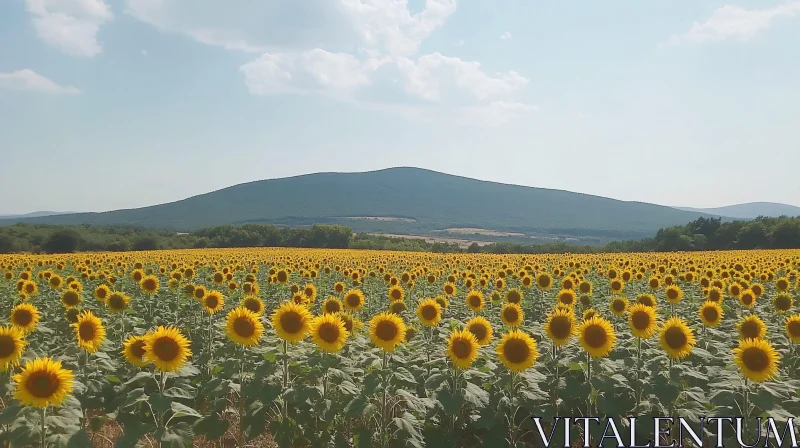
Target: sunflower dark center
<point>448,289</point>
<point>513,297</point>
<point>675,338</point>
<point>747,299</point>
<point>516,350</point>
<point>166,349</point>
<point>619,305</point>
<point>710,313</point>
<point>291,322</point>
<point>199,293</point>
<point>511,314</point>
<point>353,300</point>
<point>101,293</point>
<point>397,294</point>
<point>429,312</point>
<point>116,302</point>
<point>640,320</point>
<point>71,298</point>
<point>479,330</point>
<point>783,303</point>
<point>86,331</point>
<point>329,333</point>
<point>462,349</point>
<point>149,284</point>
<point>332,307</point>
<point>244,327</point>
<point>7,346</point>
<point>751,330</point>
<point>794,328</point>
<point>22,317</point>
<point>595,336</point>
<point>386,331</point>
<point>137,349</point>
<point>42,384</point>
<point>755,359</point>
<point>475,301</point>
<point>561,327</point>
<point>672,294</point>
<point>585,288</point>
<point>212,302</point>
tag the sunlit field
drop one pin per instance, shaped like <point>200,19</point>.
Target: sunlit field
<point>343,348</point>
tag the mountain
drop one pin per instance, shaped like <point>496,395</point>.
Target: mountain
<point>750,210</point>
<point>34,215</point>
<point>397,200</point>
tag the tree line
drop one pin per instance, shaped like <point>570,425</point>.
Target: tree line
<point>701,234</point>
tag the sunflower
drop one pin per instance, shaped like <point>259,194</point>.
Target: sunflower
<point>747,298</point>
<point>338,287</point>
<point>429,312</point>
<point>71,315</point>
<point>735,289</point>
<point>396,293</point>
<point>475,300</point>
<point>462,348</point>
<point>55,282</point>
<point>30,288</point>
<point>12,345</point>
<point>566,297</point>
<point>243,326</point>
<point>674,294</point>
<point>332,305</point>
<point>757,289</point>
<point>544,281</point>
<point>642,320</point>
<point>71,298</point>
<point>149,284</point>
<point>677,338</point>
<point>291,321</point>
<point>310,291</point>
<point>43,382</point>
<point>597,336</point>
<point>213,302</point>
<point>89,331</point>
<point>351,324</point>
<point>25,317</point>
<point>353,299</point>
<point>481,328</point>
<point>616,286</point>
<point>442,301</point>
<point>618,305</point>
<point>102,292</point>
<point>560,326</point>
<point>751,327</point>
<point>782,284</point>
<point>756,358</point>
<point>117,302</point>
<point>782,302</point>
<point>397,307</point>
<point>585,288</point>
<point>793,328</point>
<point>517,350</point>
<point>513,295</point>
<point>386,330</point>
<point>588,314</point>
<point>137,275</point>
<point>499,284</point>
<point>512,315</point>
<point>647,300</point>
<point>328,332</point>
<point>710,313</point>
<point>716,294</point>
<point>167,349</point>
<point>133,350</point>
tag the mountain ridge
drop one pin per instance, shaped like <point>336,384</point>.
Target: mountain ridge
<point>434,200</point>
<point>749,210</point>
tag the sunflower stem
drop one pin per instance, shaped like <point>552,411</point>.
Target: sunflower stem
<point>638,374</point>
<point>746,408</point>
<point>241,397</point>
<point>383,407</point>
<point>44,427</point>
<point>285,378</point>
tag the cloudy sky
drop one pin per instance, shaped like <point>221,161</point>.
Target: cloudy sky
<point>108,104</point>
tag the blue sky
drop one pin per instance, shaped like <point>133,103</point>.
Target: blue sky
<point>108,104</point>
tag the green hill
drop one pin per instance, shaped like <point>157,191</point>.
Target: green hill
<point>750,210</point>
<point>414,201</point>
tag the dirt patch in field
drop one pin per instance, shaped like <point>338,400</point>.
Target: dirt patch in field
<point>381,218</point>
<point>463,244</point>
<point>475,231</point>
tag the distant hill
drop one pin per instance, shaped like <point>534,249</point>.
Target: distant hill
<point>399,201</point>
<point>34,215</point>
<point>750,210</point>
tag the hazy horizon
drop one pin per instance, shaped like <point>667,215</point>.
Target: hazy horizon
<point>117,104</point>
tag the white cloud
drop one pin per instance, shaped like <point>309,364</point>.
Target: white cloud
<point>506,36</point>
<point>461,42</point>
<point>734,22</point>
<point>70,25</point>
<point>144,52</point>
<point>390,24</point>
<point>432,73</point>
<point>27,79</point>
<point>311,71</point>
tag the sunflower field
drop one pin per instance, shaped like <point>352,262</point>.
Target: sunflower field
<point>280,347</point>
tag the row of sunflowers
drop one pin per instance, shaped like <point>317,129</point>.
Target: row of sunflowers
<point>345,348</point>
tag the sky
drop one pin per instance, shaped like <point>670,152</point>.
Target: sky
<point>109,104</point>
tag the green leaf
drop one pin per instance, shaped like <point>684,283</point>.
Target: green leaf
<point>181,410</point>
<point>113,379</point>
<point>357,406</point>
<point>404,376</point>
<point>451,403</point>
<point>212,427</point>
<point>160,403</point>
<point>178,392</point>
<point>79,440</point>
<point>10,414</point>
<point>176,436</point>
<point>475,395</point>
<point>763,399</point>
